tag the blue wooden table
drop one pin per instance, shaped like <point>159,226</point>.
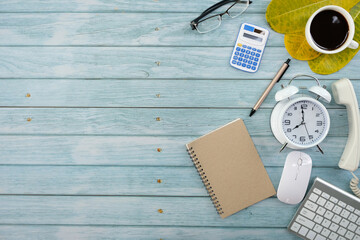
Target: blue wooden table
<point>98,98</point>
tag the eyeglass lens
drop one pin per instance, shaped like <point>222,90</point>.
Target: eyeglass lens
<point>212,22</point>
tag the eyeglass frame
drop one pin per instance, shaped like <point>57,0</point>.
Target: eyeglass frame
<point>196,21</point>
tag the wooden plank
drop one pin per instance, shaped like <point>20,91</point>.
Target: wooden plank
<point>140,93</point>
<point>138,151</point>
<point>124,180</point>
<point>118,6</point>
<point>100,210</point>
<point>114,29</point>
<point>146,62</point>
<point>141,121</point>
<point>140,233</point>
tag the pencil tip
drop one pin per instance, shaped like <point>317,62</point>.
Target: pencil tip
<point>252,112</point>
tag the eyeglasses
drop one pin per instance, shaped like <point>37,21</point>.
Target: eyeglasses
<point>204,25</point>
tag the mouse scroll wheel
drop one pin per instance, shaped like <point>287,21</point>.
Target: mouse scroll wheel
<point>300,161</point>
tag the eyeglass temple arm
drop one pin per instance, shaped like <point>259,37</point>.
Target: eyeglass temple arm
<point>210,9</point>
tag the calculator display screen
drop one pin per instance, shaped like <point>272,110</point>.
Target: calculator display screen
<point>252,37</point>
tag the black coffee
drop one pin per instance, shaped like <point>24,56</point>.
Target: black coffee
<point>329,29</point>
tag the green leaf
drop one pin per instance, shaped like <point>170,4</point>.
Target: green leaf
<point>330,63</point>
<point>288,16</point>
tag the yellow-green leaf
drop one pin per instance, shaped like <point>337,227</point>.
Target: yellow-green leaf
<point>330,63</point>
<point>298,47</point>
<point>288,16</point>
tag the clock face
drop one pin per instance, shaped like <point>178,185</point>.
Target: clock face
<point>305,122</point>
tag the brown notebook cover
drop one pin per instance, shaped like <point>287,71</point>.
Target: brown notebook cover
<point>230,168</point>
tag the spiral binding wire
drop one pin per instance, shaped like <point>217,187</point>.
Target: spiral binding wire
<point>205,180</point>
<point>354,185</point>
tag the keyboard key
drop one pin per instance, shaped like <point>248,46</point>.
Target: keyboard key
<point>243,65</point>
<point>334,227</point>
<point>349,235</point>
<point>325,195</point>
<point>358,221</point>
<point>341,231</point>
<point>329,205</point>
<point>310,205</point>
<point>303,231</point>
<point>256,59</point>
<point>255,63</point>
<point>337,210</point>
<point>329,215</point>
<point>341,238</point>
<point>237,49</point>
<point>313,197</point>
<point>236,53</point>
<point>319,237</point>
<point>318,219</point>
<point>295,227</point>
<point>325,232</point>
<point>251,58</point>
<point>333,199</point>
<point>248,66</point>
<point>311,235</point>
<point>357,237</point>
<point>304,221</point>
<point>352,227</point>
<point>336,219</point>
<point>358,231</point>
<point>357,212</point>
<point>318,228</point>
<point>257,55</point>
<point>321,201</point>
<point>246,56</point>
<point>326,223</point>
<point>317,191</point>
<point>234,62</point>
<point>344,223</point>
<point>353,217</point>
<point>250,62</point>
<point>333,236</point>
<point>247,52</point>
<point>253,68</point>
<point>321,211</point>
<point>344,213</point>
<point>350,208</point>
<point>307,213</point>
<point>252,53</point>
<point>342,204</point>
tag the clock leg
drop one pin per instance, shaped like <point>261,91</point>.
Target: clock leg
<point>322,152</point>
<point>283,146</point>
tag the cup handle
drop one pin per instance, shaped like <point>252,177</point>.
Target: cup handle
<point>353,45</point>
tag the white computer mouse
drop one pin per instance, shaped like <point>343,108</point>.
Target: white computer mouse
<point>295,178</point>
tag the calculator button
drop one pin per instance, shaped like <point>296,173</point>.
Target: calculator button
<point>235,57</point>
<point>257,55</point>
<point>245,60</point>
<point>251,58</point>
<point>240,59</point>
<point>250,62</point>
<point>237,49</point>
<point>239,44</point>
<point>244,65</point>
<point>246,56</point>
<point>248,66</point>
<point>248,47</point>
<point>247,52</point>
<point>254,49</point>
<point>242,50</point>
<point>256,59</point>
<point>253,68</point>
<point>244,46</point>
<point>238,63</point>
<point>258,50</point>
<point>234,62</point>
<point>241,54</point>
<point>252,53</point>
<point>254,63</point>
<point>236,53</point>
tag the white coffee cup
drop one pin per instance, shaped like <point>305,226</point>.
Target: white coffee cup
<point>349,43</point>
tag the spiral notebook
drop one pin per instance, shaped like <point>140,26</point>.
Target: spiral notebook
<point>230,168</point>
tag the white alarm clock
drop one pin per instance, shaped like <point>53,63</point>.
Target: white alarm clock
<point>299,121</point>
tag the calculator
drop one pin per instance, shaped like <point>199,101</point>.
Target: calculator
<point>249,47</point>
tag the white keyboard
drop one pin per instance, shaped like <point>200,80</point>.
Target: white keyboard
<point>327,212</point>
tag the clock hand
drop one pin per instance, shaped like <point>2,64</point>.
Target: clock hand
<point>302,112</point>
<point>298,125</point>
<point>307,131</point>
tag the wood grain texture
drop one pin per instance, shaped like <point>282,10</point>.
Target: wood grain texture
<point>141,121</point>
<point>145,62</point>
<point>166,93</point>
<point>121,29</point>
<point>138,151</point>
<point>125,180</point>
<point>119,6</point>
<point>42,232</point>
